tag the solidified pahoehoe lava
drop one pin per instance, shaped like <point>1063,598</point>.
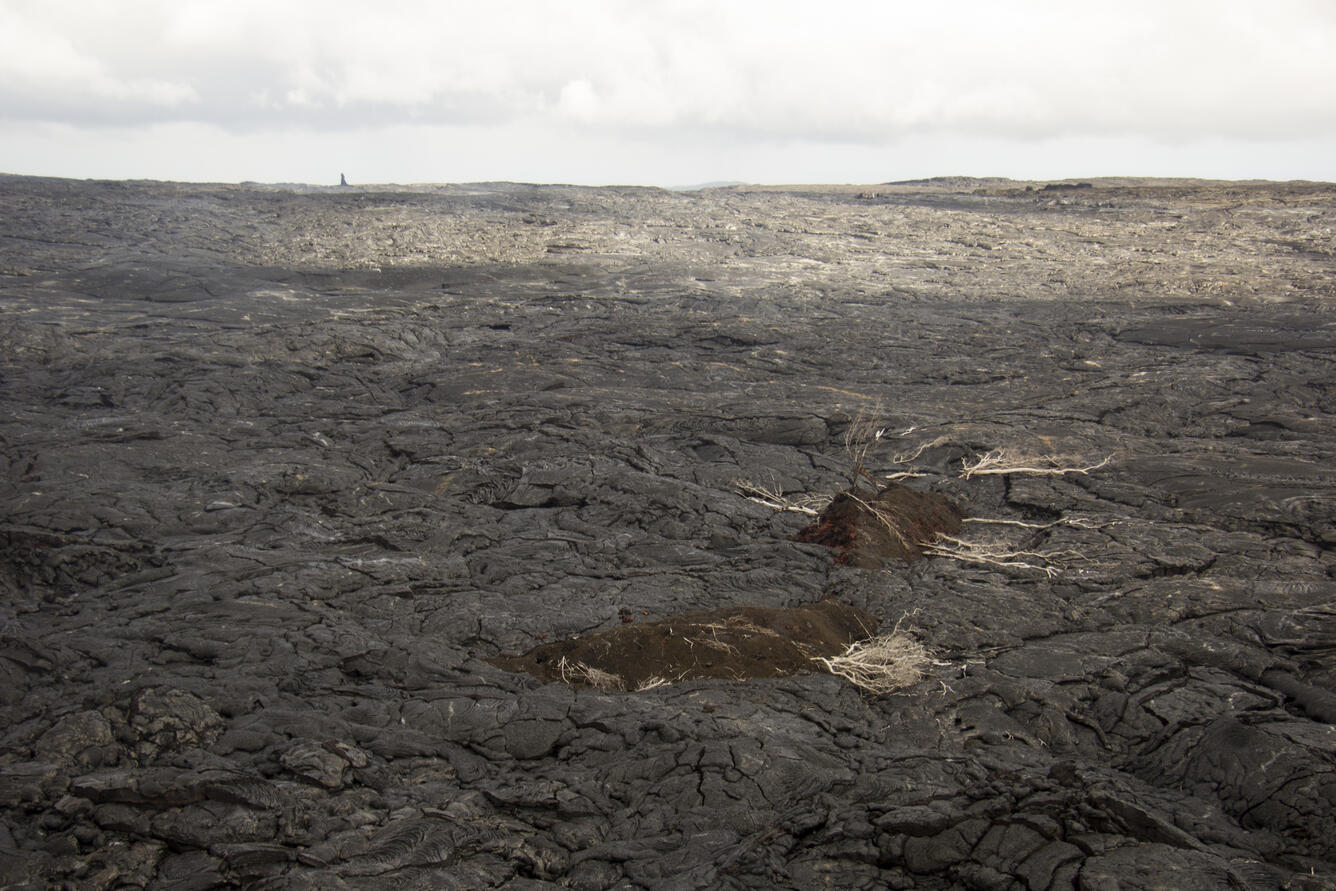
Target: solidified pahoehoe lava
<point>281,466</point>
<point>867,530</point>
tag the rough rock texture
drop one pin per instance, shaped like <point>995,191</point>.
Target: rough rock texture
<point>285,468</point>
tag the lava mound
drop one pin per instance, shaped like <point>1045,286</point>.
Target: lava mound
<point>868,530</point>
<point>735,643</point>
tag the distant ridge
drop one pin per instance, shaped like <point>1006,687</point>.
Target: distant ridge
<point>955,182</point>
<point>715,184</point>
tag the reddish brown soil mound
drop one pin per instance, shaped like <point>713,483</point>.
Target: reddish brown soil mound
<point>737,643</point>
<point>868,530</point>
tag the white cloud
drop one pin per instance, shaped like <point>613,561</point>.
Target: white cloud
<point>579,101</point>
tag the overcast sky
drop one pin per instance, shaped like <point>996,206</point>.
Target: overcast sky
<point>666,92</point>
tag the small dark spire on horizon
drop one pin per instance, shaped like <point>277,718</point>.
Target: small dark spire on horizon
<point>343,180</point>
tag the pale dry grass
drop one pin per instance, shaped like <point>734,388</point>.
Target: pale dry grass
<point>707,634</point>
<point>859,438</point>
<point>579,672</point>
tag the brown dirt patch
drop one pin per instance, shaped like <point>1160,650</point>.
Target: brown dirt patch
<point>868,530</point>
<point>735,643</point>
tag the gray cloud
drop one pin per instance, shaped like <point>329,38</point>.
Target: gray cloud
<point>672,79</point>
<point>854,71</point>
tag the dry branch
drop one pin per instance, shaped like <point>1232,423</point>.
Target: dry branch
<point>906,457</point>
<point>992,554</point>
<point>1003,461</point>
<point>775,500</point>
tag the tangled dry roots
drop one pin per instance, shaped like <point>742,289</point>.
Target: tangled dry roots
<point>881,664</point>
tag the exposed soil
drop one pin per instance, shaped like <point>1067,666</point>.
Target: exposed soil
<point>735,643</point>
<point>868,530</point>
